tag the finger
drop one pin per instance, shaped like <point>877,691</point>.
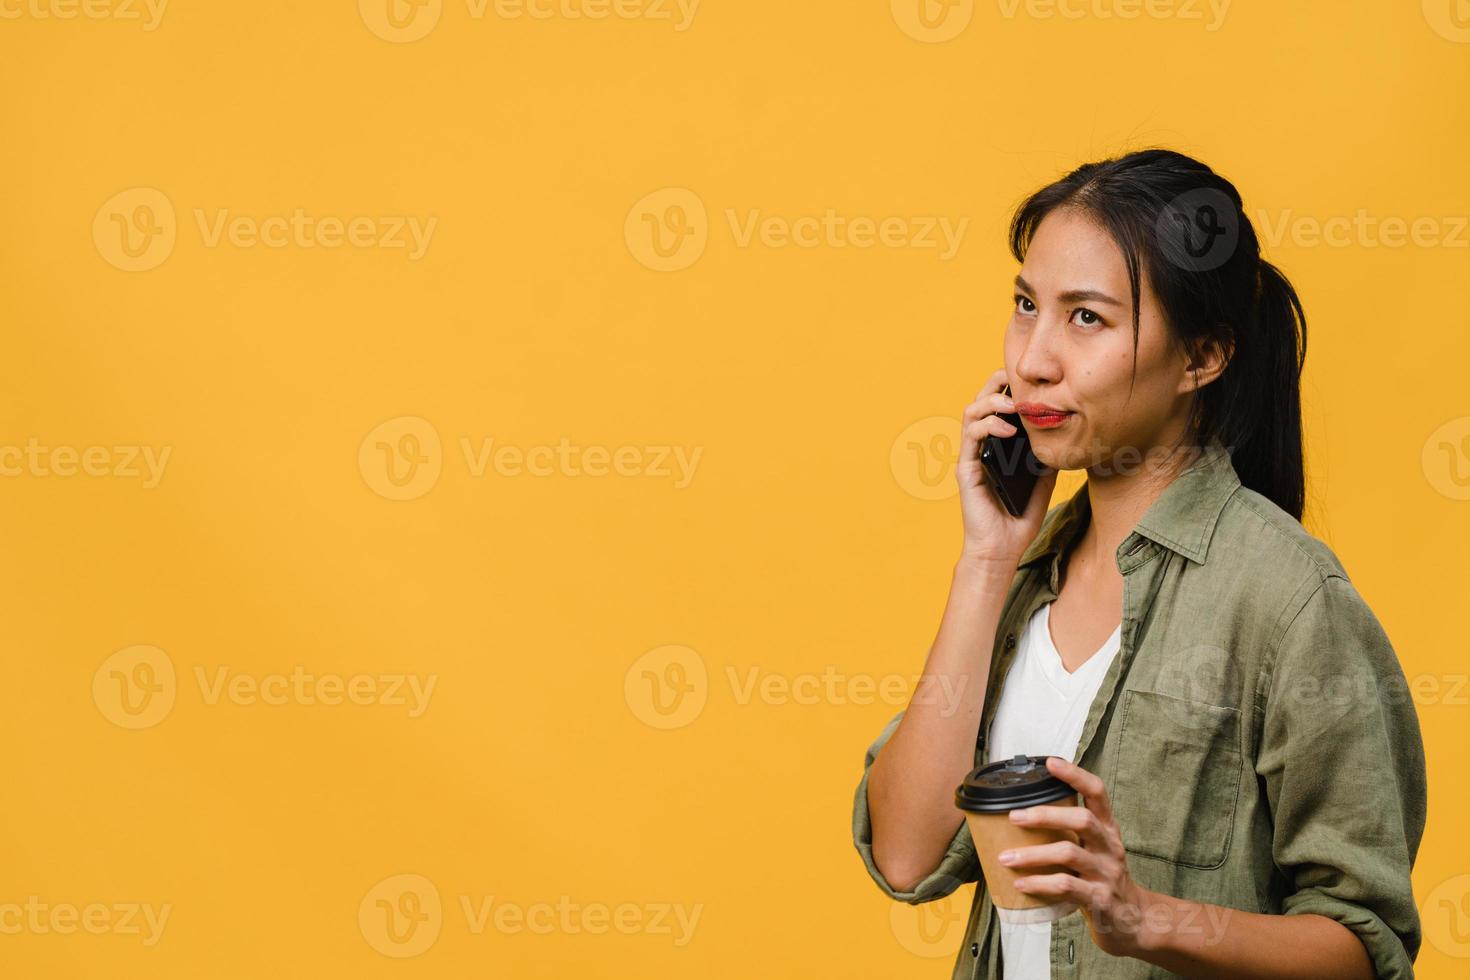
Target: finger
<point>989,425</point>
<point>1090,785</point>
<point>1063,853</point>
<point>993,384</point>
<point>1055,817</point>
<point>969,470</point>
<point>1080,820</point>
<point>1059,885</point>
<point>988,403</point>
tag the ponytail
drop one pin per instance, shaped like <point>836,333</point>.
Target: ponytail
<point>1262,421</point>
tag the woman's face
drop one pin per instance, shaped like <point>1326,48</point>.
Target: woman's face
<point>1069,346</point>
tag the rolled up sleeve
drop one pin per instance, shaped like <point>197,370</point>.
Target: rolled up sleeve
<point>1342,760</point>
<point>958,866</point>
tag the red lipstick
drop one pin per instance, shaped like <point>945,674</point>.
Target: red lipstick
<point>1042,415</point>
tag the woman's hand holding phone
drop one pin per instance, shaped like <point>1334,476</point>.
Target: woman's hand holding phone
<point>992,535</point>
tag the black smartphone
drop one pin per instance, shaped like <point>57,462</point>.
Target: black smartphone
<point>1012,467</point>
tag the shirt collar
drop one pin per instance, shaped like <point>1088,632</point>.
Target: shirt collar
<point>1182,518</point>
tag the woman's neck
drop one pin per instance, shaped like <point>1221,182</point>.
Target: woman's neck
<point>1118,501</point>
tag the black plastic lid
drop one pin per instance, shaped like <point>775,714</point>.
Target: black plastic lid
<point>1022,780</point>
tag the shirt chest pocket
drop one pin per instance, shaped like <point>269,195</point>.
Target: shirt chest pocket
<point>1177,778</point>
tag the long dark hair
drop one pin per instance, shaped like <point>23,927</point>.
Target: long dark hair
<point>1201,255</point>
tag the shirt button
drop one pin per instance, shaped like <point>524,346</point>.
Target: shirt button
<point>1010,640</point>
<point>1071,952</point>
<point>974,949</point>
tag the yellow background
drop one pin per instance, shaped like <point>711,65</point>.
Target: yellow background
<point>802,545</point>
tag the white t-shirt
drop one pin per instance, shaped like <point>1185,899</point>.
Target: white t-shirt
<point>1041,712</point>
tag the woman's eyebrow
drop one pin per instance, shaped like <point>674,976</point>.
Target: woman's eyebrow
<point>1073,296</point>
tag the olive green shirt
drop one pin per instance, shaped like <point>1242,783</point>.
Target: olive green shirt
<point>1255,731</point>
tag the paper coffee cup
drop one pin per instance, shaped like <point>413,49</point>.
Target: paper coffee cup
<point>987,797</point>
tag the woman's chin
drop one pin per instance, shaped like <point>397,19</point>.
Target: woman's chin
<point>1049,457</point>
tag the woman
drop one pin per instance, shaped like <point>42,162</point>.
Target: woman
<point>1248,757</point>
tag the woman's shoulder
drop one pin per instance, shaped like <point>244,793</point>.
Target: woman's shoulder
<point>1296,578</point>
<point>1256,533</point>
<point>1275,605</point>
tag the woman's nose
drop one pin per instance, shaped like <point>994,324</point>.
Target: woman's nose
<point>1039,362</point>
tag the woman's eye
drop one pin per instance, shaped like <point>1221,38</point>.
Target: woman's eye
<point>1024,305</point>
<point>1091,319</point>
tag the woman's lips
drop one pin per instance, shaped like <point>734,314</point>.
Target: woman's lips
<point>1046,420</point>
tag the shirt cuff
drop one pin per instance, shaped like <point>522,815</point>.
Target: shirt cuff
<point>1391,961</point>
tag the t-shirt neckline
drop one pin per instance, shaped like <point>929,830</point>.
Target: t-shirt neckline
<point>1052,658</point>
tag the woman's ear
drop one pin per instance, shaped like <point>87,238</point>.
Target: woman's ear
<point>1208,361</point>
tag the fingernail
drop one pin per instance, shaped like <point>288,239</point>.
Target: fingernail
<point>1020,814</point>
<point>1006,857</point>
